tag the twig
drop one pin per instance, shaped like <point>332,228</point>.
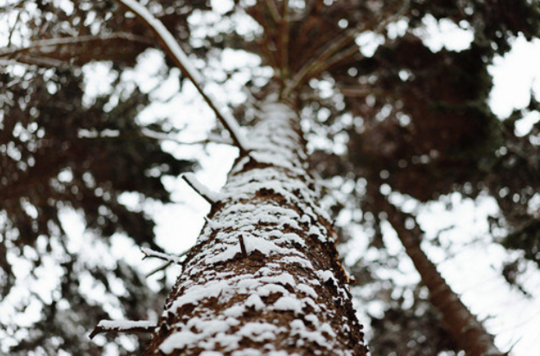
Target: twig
<point>210,196</point>
<point>242,245</point>
<point>13,28</point>
<point>163,256</point>
<point>161,268</point>
<point>123,326</point>
<point>181,60</point>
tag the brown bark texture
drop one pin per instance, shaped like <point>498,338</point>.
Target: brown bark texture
<point>264,277</point>
<point>468,333</point>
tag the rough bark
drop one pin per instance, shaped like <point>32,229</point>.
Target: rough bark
<point>468,333</point>
<point>264,277</point>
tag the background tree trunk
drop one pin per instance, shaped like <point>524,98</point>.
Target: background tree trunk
<point>264,276</point>
<point>468,333</point>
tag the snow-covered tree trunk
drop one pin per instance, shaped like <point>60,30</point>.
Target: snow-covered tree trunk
<point>264,277</point>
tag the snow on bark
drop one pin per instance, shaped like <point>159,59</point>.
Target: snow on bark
<point>282,293</point>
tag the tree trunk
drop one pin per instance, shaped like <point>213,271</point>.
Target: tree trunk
<point>264,276</point>
<point>468,333</point>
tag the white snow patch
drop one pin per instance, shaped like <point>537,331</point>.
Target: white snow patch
<point>288,303</point>
<point>307,290</point>
<point>125,324</point>
<point>255,302</point>
<point>235,311</point>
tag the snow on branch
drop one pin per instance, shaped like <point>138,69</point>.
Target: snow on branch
<point>181,60</point>
<point>123,326</point>
<point>203,191</point>
<point>163,256</point>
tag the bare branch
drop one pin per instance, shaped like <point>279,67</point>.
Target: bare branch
<point>123,326</point>
<point>181,60</point>
<point>191,180</point>
<point>274,12</point>
<point>163,256</point>
<point>38,61</point>
<point>164,137</point>
<point>14,27</point>
<point>55,42</point>
<point>285,33</point>
<point>311,66</point>
<point>160,268</point>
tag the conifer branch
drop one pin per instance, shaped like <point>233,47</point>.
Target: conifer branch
<point>314,65</point>
<point>123,326</point>
<point>193,182</point>
<point>181,60</point>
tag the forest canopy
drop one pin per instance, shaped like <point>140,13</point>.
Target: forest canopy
<point>97,124</point>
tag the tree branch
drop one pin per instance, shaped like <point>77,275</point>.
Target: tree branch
<point>274,12</point>
<point>164,137</point>
<point>285,33</point>
<point>13,28</point>
<point>123,326</point>
<point>37,61</point>
<point>163,256</point>
<point>55,42</point>
<point>333,48</point>
<point>316,62</point>
<point>160,268</point>
<point>181,60</point>
<point>193,182</point>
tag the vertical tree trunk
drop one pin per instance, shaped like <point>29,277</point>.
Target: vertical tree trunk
<point>468,333</point>
<point>264,276</point>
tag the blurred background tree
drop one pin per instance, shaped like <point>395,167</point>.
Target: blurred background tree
<point>396,120</point>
